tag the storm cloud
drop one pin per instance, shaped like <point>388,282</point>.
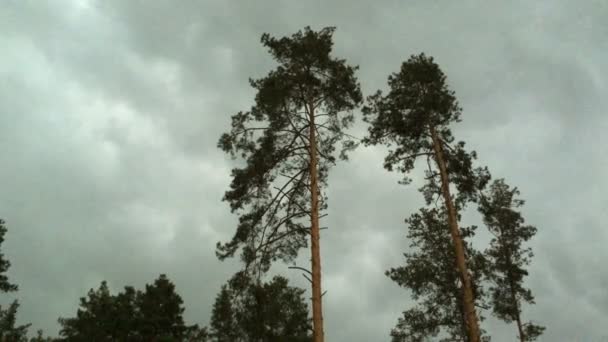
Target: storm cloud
<point>110,112</point>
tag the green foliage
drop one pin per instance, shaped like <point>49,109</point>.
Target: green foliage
<point>98,318</point>
<point>249,311</point>
<point>160,310</point>
<point>413,119</point>
<point>223,325</point>
<point>195,333</point>
<point>131,315</point>
<point>418,102</point>
<point>309,89</point>
<point>431,275</point>
<point>41,338</point>
<point>506,254</point>
<point>8,317</point>
<point>5,285</point>
<point>8,329</point>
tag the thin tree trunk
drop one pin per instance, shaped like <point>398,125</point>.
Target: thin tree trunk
<point>469,305</point>
<point>317,312</point>
<point>520,328</point>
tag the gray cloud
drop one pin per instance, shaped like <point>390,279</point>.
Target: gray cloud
<point>110,112</point>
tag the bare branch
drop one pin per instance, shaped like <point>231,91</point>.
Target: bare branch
<point>300,268</point>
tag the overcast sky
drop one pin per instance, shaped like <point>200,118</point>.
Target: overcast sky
<point>110,112</point>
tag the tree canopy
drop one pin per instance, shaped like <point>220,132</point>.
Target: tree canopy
<point>131,315</point>
<point>508,257</point>
<point>288,140</point>
<point>9,330</point>
<point>249,311</point>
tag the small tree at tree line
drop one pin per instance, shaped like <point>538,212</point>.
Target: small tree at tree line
<point>249,311</point>
<point>288,140</point>
<point>131,315</point>
<point>415,116</point>
<point>9,330</point>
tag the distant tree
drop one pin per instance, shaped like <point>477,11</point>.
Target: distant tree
<point>431,275</point>
<point>5,285</point>
<point>161,310</point>
<point>155,314</point>
<point>507,256</point>
<point>415,117</point>
<point>288,139</point>
<point>269,312</point>
<point>224,327</point>
<point>41,338</point>
<point>9,331</point>
<point>197,334</point>
<point>97,318</point>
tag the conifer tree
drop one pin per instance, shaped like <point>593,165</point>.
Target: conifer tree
<point>507,257</point>
<point>288,140</point>
<point>9,330</point>
<point>8,317</point>
<point>415,117</point>
<point>223,327</point>
<point>5,285</point>
<point>41,338</point>
<point>250,311</point>
<point>160,310</point>
<point>431,275</point>
<point>131,315</point>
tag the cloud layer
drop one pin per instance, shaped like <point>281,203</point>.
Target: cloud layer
<point>110,113</point>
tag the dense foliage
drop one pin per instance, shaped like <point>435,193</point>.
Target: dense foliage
<point>248,311</point>
<point>132,315</point>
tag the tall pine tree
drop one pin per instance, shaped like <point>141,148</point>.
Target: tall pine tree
<point>288,139</point>
<point>415,116</point>
<point>507,257</point>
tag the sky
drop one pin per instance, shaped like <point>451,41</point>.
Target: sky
<point>110,112</point>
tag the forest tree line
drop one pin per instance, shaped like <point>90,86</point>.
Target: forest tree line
<point>293,134</point>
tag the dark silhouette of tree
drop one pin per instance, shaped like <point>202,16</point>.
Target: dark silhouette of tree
<point>152,315</point>
<point>288,140</point>
<point>431,275</point>
<point>414,117</point>
<point>5,285</point>
<point>97,319</point>
<point>41,338</point>
<point>9,331</point>
<point>197,334</point>
<point>507,256</point>
<point>255,311</point>
<point>161,310</point>
<point>223,325</point>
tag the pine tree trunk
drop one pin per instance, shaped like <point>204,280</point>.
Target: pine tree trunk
<point>522,336</point>
<point>317,312</point>
<point>469,305</point>
<point>520,328</point>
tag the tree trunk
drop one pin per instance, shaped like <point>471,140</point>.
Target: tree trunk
<point>317,312</point>
<point>522,336</point>
<point>469,304</point>
<point>520,328</point>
